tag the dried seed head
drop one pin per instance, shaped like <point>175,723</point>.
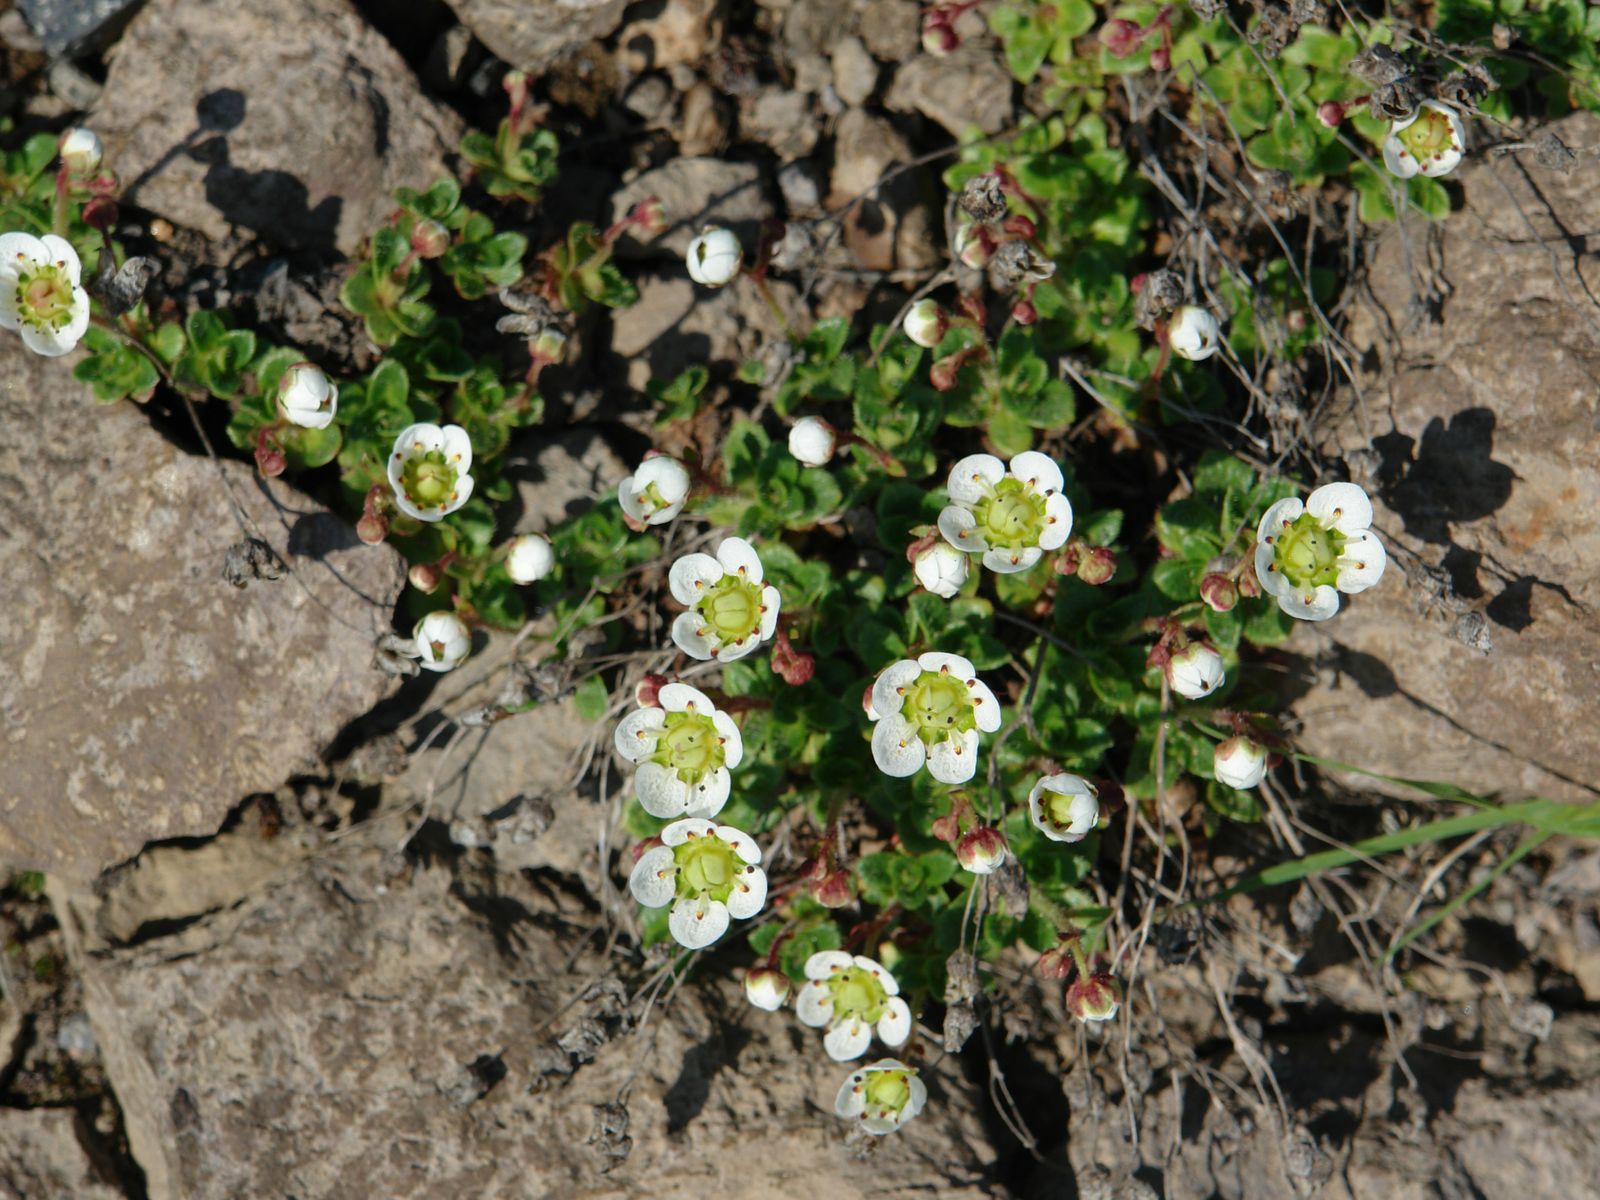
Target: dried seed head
<point>1378,65</point>
<point>1160,292</point>
<point>1396,101</point>
<point>1015,263</point>
<point>982,198</point>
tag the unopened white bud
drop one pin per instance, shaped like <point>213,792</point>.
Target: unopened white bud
<point>813,441</point>
<point>1239,762</point>
<point>1195,671</point>
<point>81,151</point>
<point>529,558</point>
<point>925,324</point>
<point>1194,333</point>
<point>714,257</point>
<point>443,641</point>
<point>308,398</point>
<point>942,569</point>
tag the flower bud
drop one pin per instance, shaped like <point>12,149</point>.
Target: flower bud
<point>81,152</point>
<point>948,827</point>
<point>101,213</point>
<point>1240,762</point>
<point>981,850</point>
<point>866,701</point>
<point>1249,585</point>
<point>1194,333</point>
<point>714,257</point>
<point>1219,591</point>
<point>1195,671</point>
<point>1024,313</point>
<point>1120,37</point>
<point>943,374</point>
<point>1160,58</point>
<point>308,399</point>
<point>939,39</point>
<point>529,558</point>
<point>270,459</point>
<point>1097,566</point>
<point>429,239</point>
<point>833,890</point>
<point>812,441</point>
<point>425,577</point>
<point>647,693</point>
<point>372,529</point>
<point>1330,113</point>
<point>443,641</point>
<point>794,667</point>
<point>926,324</point>
<point>1095,998</point>
<point>649,216</point>
<point>766,987</point>
<point>1056,963</point>
<point>974,244</point>
<point>942,569</point>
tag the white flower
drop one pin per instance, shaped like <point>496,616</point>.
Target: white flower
<point>714,257</point>
<point>1306,554</point>
<point>884,1095</point>
<point>813,441</point>
<point>442,640</point>
<point>1010,517</point>
<point>684,750</point>
<point>40,295</point>
<point>707,872</point>
<point>529,558</point>
<point>1239,762</point>
<point>941,569</point>
<point>1429,142</point>
<point>656,492</point>
<point>429,470</point>
<point>925,323</point>
<point>1065,808</point>
<point>307,397</point>
<point>1194,333</point>
<point>766,987</point>
<point>731,611</point>
<point>853,996</point>
<point>1195,671</point>
<point>930,710</point>
<point>81,151</point>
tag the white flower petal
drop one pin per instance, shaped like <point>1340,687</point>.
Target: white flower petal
<point>749,894</point>
<point>635,735</point>
<point>879,972</point>
<point>1010,562</point>
<point>1272,580</point>
<point>1318,606</point>
<point>848,1039</point>
<point>419,439</point>
<point>951,664</point>
<point>770,603</point>
<point>1341,505</point>
<point>733,651</point>
<point>654,880</point>
<point>732,739</point>
<point>697,921</point>
<point>411,510</point>
<point>1361,565</point>
<point>886,696</point>
<point>1279,517</point>
<point>825,964</point>
<point>690,637</point>
<point>707,798</point>
<point>691,575</point>
<point>58,250</point>
<point>985,706</point>
<point>1057,523</point>
<point>1397,158</point>
<point>918,1101</point>
<point>21,249</point>
<point>852,1097</point>
<point>629,498</point>
<point>974,477</point>
<point>955,759</point>
<point>680,832</point>
<point>669,475</point>
<point>10,312</point>
<point>743,844</point>
<point>463,493</point>
<point>1038,471</point>
<point>814,1004</point>
<point>457,447</point>
<point>739,557</point>
<point>896,748</point>
<point>894,1027</point>
<point>660,791</point>
<point>47,343</point>
<point>959,527</point>
<point>680,697</point>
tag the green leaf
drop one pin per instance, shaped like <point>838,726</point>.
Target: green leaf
<point>591,699</point>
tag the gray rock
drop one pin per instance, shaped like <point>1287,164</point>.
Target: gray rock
<point>855,74</point>
<point>351,1030</point>
<point>73,28</point>
<point>1479,440</point>
<point>781,119</point>
<point>42,1158</point>
<point>142,696</point>
<point>561,475</point>
<point>695,192</point>
<point>534,34</point>
<point>890,30</point>
<point>293,119</point>
<point>970,87</point>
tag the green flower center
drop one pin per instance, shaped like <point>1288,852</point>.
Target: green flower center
<point>857,993</point>
<point>1012,517</point>
<point>707,865</point>
<point>1428,135</point>
<point>888,1090</point>
<point>690,745</point>
<point>938,706</point>
<point>44,295</point>
<point>1059,808</point>
<point>651,500</point>
<point>429,480</point>
<point>1307,553</point>
<point>732,607</point>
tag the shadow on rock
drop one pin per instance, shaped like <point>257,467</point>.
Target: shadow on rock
<point>1449,476</point>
